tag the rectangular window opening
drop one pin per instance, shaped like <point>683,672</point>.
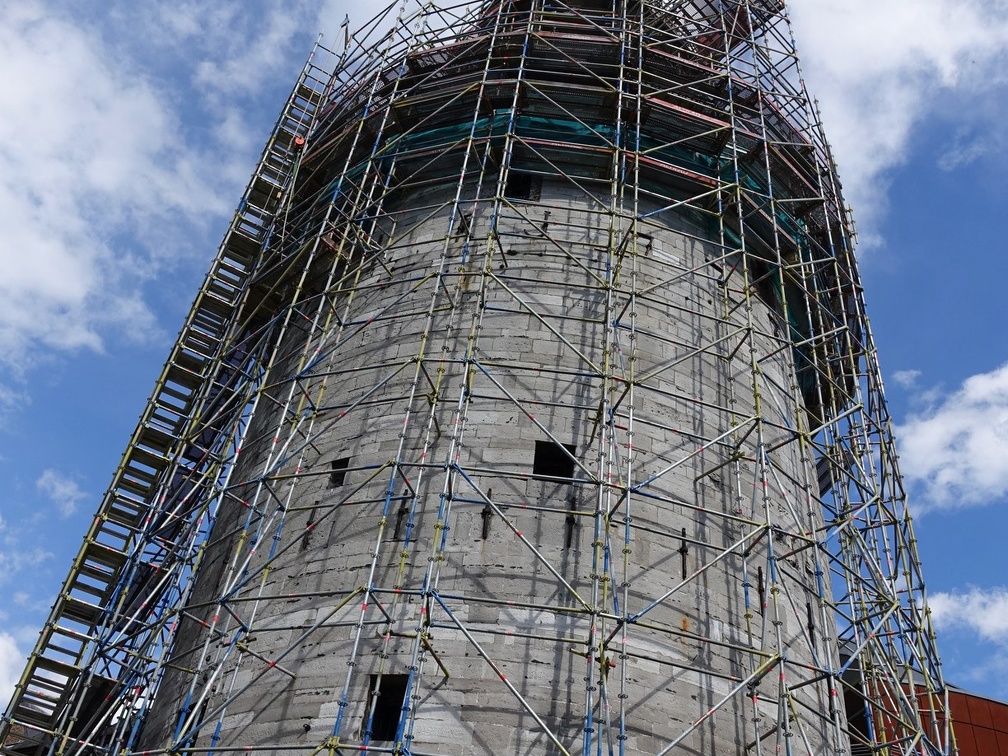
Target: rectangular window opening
<point>388,707</point>
<point>525,186</point>
<point>337,471</point>
<point>553,460</point>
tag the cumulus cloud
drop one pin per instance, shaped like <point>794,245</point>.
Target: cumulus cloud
<point>62,490</point>
<point>253,55</point>
<point>88,153</point>
<point>126,129</point>
<point>983,611</point>
<point>879,68</point>
<point>906,378</point>
<point>955,451</point>
<point>12,661</point>
<point>964,618</point>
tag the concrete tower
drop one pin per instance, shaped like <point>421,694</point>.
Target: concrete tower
<point>528,408</point>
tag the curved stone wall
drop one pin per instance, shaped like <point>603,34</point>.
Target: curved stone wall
<point>522,595</point>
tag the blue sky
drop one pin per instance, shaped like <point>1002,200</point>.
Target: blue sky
<point>128,132</point>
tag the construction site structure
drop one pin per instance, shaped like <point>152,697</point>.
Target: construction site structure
<point>528,407</point>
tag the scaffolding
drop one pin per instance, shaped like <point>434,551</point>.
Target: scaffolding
<point>529,406</point>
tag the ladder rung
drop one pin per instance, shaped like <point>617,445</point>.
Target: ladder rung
<point>102,554</point>
<point>29,714</point>
<point>134,487</point>
<point>216,302</point>
<point>56,667</point>
<point>81,611</point>
<point>147,458</point>
<point>264,193</point>
<point>308,93</point>
<point>238,242</point>
<point>156,439</point>
<point>186,370</point>
<point>98,591</point>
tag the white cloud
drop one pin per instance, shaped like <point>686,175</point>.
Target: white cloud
<point>955,451</point>
<point>906,378</point>
<point>62,490</point>
<point>18,552</point>
<point>92,168</point>
<point>12,661</point>
<point>251,56</point>
<point>14,555</point>
<point>879,68</point>
<point>10,399</point>
<point>965,149</point>
<point>125,130</point>
<point>974,622</point>
<point>985,612</point>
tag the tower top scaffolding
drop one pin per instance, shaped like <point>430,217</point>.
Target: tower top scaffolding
<point>647,188</point>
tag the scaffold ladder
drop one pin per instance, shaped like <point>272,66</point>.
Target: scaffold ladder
<point>167,444</point>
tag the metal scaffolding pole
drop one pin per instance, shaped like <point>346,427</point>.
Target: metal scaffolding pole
<point>529,406</point>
